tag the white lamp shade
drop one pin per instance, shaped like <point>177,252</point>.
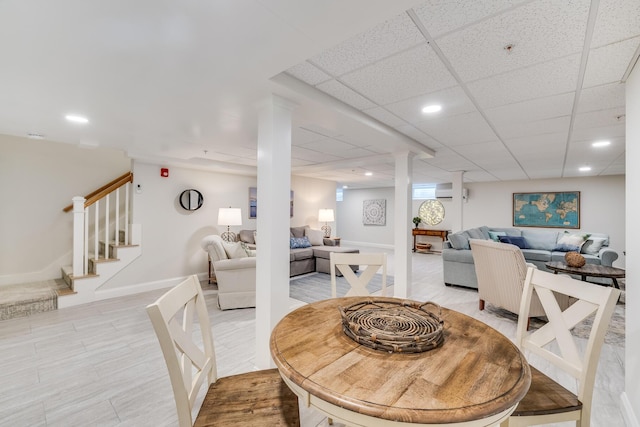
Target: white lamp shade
<point>325,215</point>
<point>230,216</point>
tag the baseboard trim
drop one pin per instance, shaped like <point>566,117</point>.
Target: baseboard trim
<point>369,244</point>
<point>626,408</point>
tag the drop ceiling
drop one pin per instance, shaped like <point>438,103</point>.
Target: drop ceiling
<point>525,86</point>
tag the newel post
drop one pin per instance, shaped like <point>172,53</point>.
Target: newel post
<point>78,236</point>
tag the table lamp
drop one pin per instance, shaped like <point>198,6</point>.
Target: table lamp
<point>326,215</point>
<point>229,216</point>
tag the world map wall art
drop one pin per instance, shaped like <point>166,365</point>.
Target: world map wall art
<point>374,212</point>
<point>551,209</point>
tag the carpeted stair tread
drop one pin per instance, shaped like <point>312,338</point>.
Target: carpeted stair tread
<point>30,298</point>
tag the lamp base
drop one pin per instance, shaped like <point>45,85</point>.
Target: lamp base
<point>228,236</point>
<point>327,230</point>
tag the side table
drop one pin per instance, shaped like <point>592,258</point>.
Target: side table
<point>331,241</point>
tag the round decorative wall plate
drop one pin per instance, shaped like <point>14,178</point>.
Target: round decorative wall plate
<point>431,212</point>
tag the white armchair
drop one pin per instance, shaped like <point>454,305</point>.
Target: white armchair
<point>236,277</point>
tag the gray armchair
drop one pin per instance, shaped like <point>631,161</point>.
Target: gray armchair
<point>236,277</point>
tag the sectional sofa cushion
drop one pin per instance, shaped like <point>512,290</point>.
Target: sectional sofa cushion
<point>459,240</point>
<point>541,239</point>
<point>476,233</point>
<point>298,231</point>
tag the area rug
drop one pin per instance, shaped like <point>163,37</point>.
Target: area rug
<point>26,299</point>
<point>317,286</point>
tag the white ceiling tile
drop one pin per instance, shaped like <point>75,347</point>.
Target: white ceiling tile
<point>401,76</point>
<point>608,64</point>
<point>450,160</point>
<point>540,31</point>
<point>321,130</point>
<point>479,175</point>
<point>346,95</point>
<point>532,110</point>
<point>301,136</point>
<point>617,20</point>
<point>599,133</point>
<point>601,98</point>
<point>509,174</point>
<point>443,16</point>
<point>453,101</point>
<point>311,155</point>
<point>308,73</point>
<point>412,132</point>
<point>384,116</point>
<point>389,37</point>
<point>488,155</point>
<point>610,117</point>
<point>333,146</point>
<point>355,153</point>
<point>515,130</point>
<point>463,129</point>
<point>541,80</point>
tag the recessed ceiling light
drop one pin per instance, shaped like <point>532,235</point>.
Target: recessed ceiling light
<point>601,143</point>
<point>368,173</point>
<point>76,119</point>
<point>432,109</point>
<point>584,169</point>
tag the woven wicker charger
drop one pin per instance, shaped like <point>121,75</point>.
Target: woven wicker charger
<point>392,325</point>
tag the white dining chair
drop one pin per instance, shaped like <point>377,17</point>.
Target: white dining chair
<point>258,398</point>
<point>369,265</point>
<point>547,401</point>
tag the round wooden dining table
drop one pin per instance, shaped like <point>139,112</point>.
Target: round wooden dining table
<point>476,377</point>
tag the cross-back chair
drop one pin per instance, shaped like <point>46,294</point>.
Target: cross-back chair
<point>257,398</point>
<point>547,401</point>
<point>370,264</point>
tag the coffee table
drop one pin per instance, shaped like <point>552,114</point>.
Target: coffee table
<point>591,270</point>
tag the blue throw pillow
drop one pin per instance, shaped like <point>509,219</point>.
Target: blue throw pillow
<point>514,240</point>
<point>299,242</point>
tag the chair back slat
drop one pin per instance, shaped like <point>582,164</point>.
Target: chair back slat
<point>554,341</point>
<point>174,317</point>
<point>369,264</point>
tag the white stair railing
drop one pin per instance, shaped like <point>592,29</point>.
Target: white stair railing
<point>102,222</point>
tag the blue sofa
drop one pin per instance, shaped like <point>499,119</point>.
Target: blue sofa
<point>540,247</point>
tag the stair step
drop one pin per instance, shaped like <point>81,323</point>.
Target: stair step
<point>30,298</point>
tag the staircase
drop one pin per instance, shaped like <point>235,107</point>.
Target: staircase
<point>99,251</point>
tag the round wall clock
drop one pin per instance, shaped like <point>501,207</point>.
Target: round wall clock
<point>431,212</point>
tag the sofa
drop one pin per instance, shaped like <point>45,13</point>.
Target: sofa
<point>537,246</point>
<point>309,250</point>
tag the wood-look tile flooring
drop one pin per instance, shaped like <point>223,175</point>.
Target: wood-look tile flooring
<point>100,363</point>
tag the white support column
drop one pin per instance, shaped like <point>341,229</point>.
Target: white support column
<point>457,219</point>
<point>78,236</point>
<point>402,224</point>
<point>274,186</point>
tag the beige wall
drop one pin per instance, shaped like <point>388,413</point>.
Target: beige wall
<point>37,180</point>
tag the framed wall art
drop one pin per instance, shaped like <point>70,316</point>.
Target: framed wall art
<point>374,212</point>
<point>547,209</point>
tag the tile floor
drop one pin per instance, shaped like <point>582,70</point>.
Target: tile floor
<point>100,363</point>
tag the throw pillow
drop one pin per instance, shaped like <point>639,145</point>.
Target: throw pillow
<point>299,242</point>
<point>475,233</point>
<point>315,236</point>
<point>247,236</point>
<point>571,242</point>
<point>249,252</point>
<point>459,240</point>
<point>234,250</point>
<point>495,235</point>
<point>593,245</point>
<point>515,240</point>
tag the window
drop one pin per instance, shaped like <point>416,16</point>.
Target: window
<point>338,194</point>
<point>424,191</point>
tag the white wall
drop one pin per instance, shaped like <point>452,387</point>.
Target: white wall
<point>171,236</point>
<point>349,225</point>
<point>602,206</point>
<point>37,180</point>
<point>631,397</point>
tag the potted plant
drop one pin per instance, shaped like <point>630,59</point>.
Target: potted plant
<point>416,220</point>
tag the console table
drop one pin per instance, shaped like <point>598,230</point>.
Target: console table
<point>428,232</point>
